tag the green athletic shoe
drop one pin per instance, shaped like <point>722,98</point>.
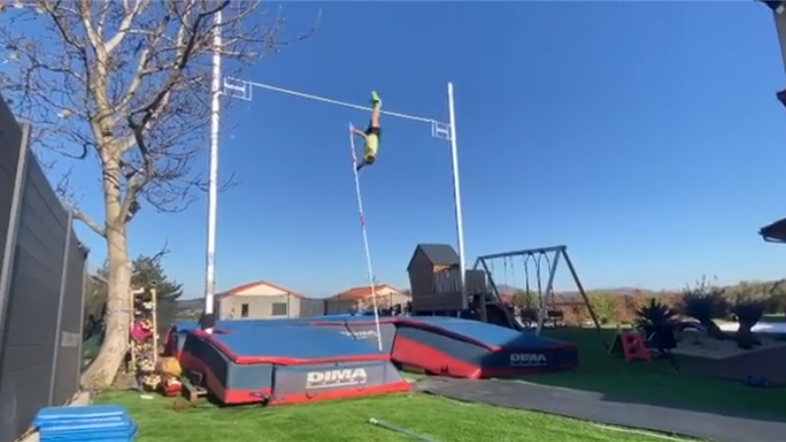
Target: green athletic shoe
<point>375,99</point>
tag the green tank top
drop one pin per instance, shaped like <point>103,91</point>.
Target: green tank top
<point>372,144</point>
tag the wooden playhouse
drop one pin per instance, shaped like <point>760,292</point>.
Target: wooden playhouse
<point>435,279</point>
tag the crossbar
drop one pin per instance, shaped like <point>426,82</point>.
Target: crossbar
<point>551,249</point>
<point>340,103</point>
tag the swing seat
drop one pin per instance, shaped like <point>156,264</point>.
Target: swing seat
<point>556,318</point>
<point>529,316</point>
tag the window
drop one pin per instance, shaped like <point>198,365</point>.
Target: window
<point>244,310</point>
<point>279,309</point>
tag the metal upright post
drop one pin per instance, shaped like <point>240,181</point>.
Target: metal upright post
<point>84,252</point>
<point>212,196</point>
<point>457,197</point>
<point>583,294</point>
<point>59,321</point>
<point>7,263</point>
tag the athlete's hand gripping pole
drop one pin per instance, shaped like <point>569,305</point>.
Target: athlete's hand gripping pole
<point>352,146</point>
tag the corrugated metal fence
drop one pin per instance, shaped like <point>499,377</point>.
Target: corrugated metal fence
<point>42,268</point>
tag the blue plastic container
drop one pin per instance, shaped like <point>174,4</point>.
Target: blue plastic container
<point>95,423</point>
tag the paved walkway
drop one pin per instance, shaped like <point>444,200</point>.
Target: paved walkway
<point>769,363</point>
<point>591,406</point>
<point>714,349</point>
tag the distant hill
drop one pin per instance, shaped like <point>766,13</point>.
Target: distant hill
<point>190,309</point>
<point>504,288</point>
<point>187,304</point>
<point>623,291</point>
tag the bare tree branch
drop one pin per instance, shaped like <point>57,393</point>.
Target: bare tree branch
<point>124,86</point>
<point>127,83</point>
<point>86,220</point>
<point>162,253</point>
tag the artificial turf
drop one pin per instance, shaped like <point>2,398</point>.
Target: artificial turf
<point>658,382</point>
<point>442,420</point>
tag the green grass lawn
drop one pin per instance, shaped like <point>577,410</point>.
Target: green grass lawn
<point>346,421</point>
<point>657,382</point>
<point>450,421</point>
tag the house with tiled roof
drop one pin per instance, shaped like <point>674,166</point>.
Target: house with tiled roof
<point>265,300</point>
<point>361,298</point>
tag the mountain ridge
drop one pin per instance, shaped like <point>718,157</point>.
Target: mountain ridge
<point>619,291</point>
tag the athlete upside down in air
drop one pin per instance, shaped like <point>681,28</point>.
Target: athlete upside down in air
<point>371,135</point>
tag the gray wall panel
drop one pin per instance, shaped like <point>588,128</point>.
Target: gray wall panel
<point>39,341</point>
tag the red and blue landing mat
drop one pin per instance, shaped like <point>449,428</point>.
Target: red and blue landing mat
<point>437,345</point>
<point>280,363</point>
<point>360,328</point>
<point>471,349</point>
<point>459,347</point>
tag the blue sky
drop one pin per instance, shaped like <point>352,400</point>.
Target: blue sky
<point>645,136</point>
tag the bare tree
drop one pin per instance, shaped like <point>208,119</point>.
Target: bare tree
<point>126,84</point>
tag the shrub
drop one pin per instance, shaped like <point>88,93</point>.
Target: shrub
<point>656,315</point>
<point>748,313</point>
<point>704,302</point>
<point>658,322</point>
<point>524,299</point>
<point>777,297</point>
<point>604,305</point>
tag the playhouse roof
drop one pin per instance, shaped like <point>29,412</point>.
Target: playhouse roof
<point>438,254</point>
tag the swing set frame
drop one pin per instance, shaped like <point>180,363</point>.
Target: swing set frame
<point>552,255</point>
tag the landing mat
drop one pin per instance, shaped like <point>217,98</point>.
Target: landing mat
<point>591,406</point>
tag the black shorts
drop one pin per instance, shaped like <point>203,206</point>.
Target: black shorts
<point>371,130</point>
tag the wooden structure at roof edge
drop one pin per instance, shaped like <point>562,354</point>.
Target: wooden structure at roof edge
<point>435,279</point>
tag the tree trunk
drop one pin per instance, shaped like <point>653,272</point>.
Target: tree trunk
<point>118,317</point>
<point>119,310</point>
<point>713,331</point>
<point>745,338</point>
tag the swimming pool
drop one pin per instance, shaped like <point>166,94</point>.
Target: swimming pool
<point>765,327</point>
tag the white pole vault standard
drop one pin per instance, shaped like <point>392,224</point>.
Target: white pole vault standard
<point>457,197</point>
<point>365,235</point>
<point>243,89</point>
<point>212,195</point>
